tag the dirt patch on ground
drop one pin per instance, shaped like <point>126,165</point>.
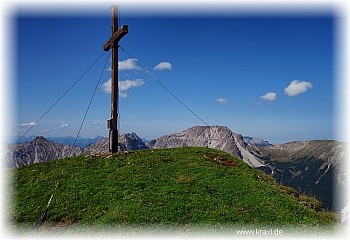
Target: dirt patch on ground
<point>221,160</point>
<point>56,226</point>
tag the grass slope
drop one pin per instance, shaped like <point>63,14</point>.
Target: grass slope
<point>177,187</point>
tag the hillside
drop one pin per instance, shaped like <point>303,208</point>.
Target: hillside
<point>183,187</point>
<point>314,167</point>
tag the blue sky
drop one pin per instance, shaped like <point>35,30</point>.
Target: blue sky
<point>268,77</point>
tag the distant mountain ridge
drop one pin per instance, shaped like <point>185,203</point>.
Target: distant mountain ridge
<point>217,137</point>
<point>41,149</point>
<point>81,142</point>
<point>69,140</point>
<point>258,142</point>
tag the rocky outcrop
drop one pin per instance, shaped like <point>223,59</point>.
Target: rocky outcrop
<point>216,137</point>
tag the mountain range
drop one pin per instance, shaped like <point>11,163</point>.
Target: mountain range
<point>311,167</point>
<point>258,142</point>
<point>41,149</point>
<point>69,140</point>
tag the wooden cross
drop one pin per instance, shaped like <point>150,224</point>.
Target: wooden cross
<point>112,43</point>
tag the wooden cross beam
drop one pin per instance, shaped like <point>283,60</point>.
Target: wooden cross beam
<point>112,43</point>
<point>116,37</point>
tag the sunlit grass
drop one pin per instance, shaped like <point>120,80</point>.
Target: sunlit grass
<point>173,187</point>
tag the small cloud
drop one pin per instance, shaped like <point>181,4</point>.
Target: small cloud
<point>27,124</point>
<point>258,104</point>
<point>222,101</point>
<point>163,66</point>
<point>127,84</point>
<point>128,64</point>
<point>270,96</point>
<point>106,87</point>
<point>95,123</point>
<point>297,87</point>
<point>123,94</point>
<point>123,86</point>
<point>65,125</point>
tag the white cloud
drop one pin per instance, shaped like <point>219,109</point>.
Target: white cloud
<point>297,87</point>
<point>222,101</point>
<point>128,64</point>
<point>106,87</point>
<point>65,125</point>
<point>163,66</point>
<point>270,96</point>
<point>123,86</point>
<point>27,124</point>
<point>95,123</point>
<point>123,94</point>
<point>127,84</point>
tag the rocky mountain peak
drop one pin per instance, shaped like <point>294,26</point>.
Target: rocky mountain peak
<point>40,139</point>
<point>131,141</point>
<point>38,150</point>
<point>216,137</point>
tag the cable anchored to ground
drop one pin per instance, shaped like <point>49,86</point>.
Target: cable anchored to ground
<point>44,214</point>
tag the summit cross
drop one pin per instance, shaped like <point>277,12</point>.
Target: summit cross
<point>113,43</point>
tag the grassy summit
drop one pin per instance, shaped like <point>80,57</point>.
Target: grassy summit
<point>164,187</point>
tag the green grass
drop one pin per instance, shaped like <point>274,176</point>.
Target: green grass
<point>173,187</point>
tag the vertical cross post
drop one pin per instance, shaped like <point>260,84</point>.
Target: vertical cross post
<point>112,43</point>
